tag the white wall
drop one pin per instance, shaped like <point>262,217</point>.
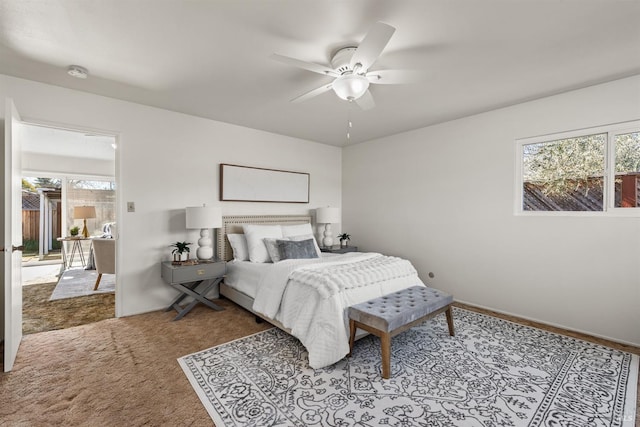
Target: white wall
<point>165,162</point>
<point>443,196</point>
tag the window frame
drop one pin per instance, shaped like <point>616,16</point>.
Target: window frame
<point>608,201</point>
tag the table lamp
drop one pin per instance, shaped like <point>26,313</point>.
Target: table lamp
<point>84,212</point>
<point>327,216</point>
<point>204,217</point>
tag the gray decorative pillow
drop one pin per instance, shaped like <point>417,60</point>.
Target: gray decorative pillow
<point>272,247</point>
<point>290,249</point>
<point>305,237</point>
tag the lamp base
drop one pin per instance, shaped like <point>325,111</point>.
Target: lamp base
<point>85,231</point>
<point>327,241</point>
<point>205,249</point>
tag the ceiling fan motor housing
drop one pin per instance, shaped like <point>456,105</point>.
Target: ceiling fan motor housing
<point>341,60</point>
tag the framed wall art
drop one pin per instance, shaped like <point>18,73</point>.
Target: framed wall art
<point>250,184</point>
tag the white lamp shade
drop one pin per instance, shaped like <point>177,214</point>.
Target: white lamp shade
<point>204,217</point>
<point>327,215</point>
<point>350,86</point>
<point>84,212</point>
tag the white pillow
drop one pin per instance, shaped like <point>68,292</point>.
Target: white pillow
<point>255,244</point>
<point>296,230</point>
<point>301,230</point>
<point>239,246</point>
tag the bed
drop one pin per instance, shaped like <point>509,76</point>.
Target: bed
<point>307,298</point>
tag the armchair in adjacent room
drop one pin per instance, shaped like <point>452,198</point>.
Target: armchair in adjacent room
<point>104,251</point>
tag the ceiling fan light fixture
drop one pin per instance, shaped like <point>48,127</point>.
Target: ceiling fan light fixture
<point>350,86</point>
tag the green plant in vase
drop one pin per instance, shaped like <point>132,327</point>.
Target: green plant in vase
<point>74,231</point>
<point>180,248</point>
<point>344,239</point>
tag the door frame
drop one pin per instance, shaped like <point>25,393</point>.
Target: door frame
<point>117,176</point>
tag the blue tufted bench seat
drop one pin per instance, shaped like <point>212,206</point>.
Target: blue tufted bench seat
<point>389,315</point>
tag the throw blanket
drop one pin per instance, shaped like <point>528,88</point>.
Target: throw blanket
<point>273,284</point>
<point>328,280</point>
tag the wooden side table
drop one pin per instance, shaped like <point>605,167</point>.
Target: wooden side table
<point>187,279</point>
<point>339,249</point>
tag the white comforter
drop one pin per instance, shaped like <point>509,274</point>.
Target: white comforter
<point>310,297</point>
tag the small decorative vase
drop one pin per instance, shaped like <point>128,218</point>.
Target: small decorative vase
<point>343,243</point>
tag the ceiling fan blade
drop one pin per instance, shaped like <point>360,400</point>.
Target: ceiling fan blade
<point>366,101</point>
<point>372,46</point>
<point>316,68</point>
<point>395,77</point>
<point>312,93</point>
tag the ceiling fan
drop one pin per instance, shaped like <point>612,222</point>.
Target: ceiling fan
<point>350,67</point>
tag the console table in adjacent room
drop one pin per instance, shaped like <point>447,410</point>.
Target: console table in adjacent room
<point>188,278</point>
<point>76,249</point>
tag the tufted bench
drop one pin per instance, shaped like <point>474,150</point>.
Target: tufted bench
<point>388,315</point>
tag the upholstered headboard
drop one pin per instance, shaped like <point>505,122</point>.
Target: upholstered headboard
<point>233,224</point>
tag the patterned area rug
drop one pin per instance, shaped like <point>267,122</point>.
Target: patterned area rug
<point>78,282</point>
<point>492,373</point>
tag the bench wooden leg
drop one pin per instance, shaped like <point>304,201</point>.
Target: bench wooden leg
<point>450,321</point>
<point>385,342</point>
<point>352,335</point>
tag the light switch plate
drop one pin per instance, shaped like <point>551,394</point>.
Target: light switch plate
<point>131,206</point>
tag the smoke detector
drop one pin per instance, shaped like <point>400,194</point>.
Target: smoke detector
<point>77,71</point>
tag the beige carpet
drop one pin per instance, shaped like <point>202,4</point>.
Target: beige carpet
<point>117,372</point>
<point>78,282</point>
<point>123,372</point>
<point>39,314</point>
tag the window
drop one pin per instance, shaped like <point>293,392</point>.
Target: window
<point>91,192</point>
<point>593,170</point>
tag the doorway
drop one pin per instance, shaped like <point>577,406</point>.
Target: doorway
<point>73,174</point>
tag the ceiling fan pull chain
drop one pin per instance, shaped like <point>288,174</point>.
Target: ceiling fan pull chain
<point>349,123</point>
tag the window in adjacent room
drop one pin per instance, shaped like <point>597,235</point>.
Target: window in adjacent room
<point>97,192</point>
<point>592,170</point>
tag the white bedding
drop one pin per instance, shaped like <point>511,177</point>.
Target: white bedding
<point>245,276</point>
<point>314,308</point>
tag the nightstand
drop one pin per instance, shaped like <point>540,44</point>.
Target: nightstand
<point>339,250</point>
<point>187,279</point>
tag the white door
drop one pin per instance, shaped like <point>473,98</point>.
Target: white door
<point>11,235</point>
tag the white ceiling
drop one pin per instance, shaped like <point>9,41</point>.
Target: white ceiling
<point>60,142</point>
<point>211,58</point>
